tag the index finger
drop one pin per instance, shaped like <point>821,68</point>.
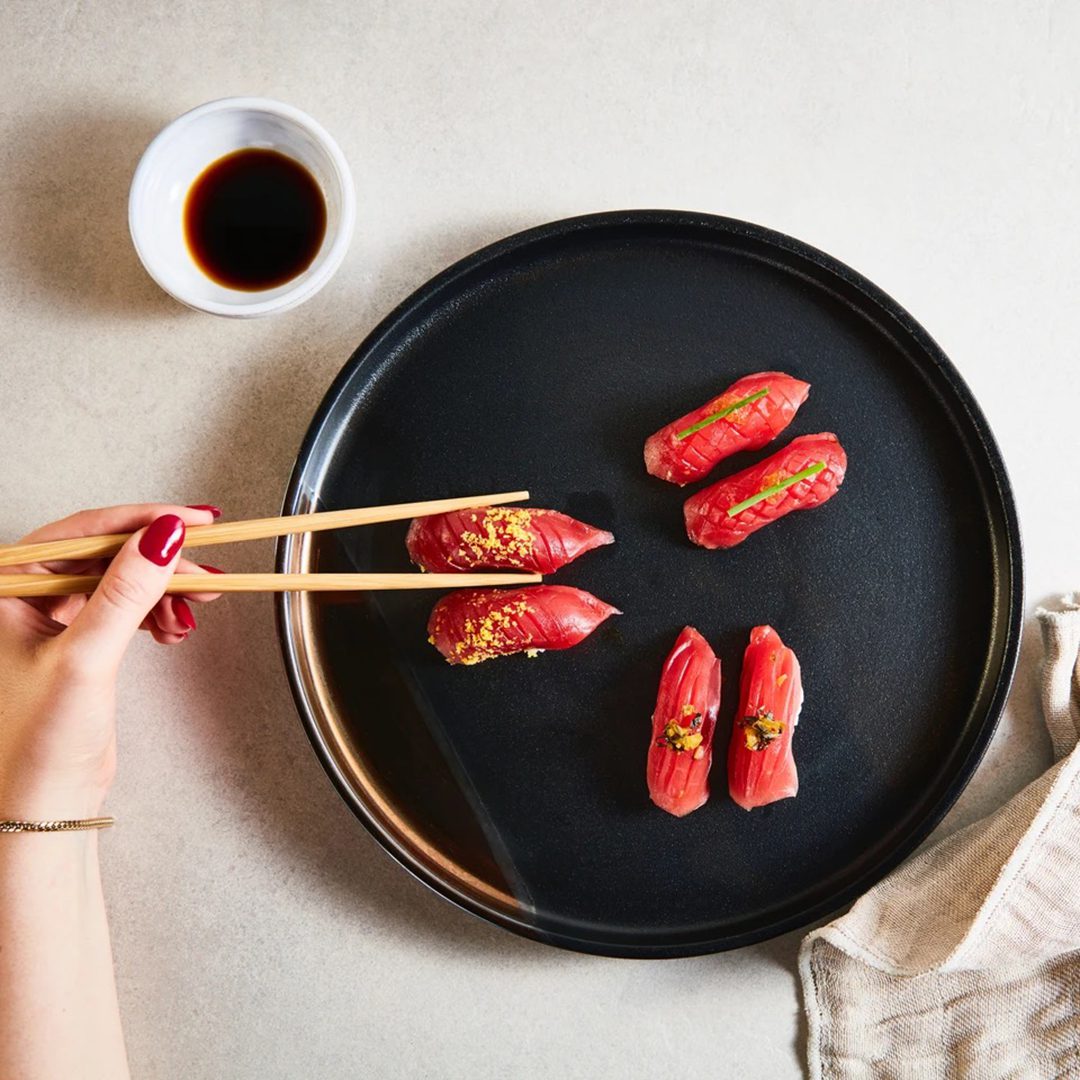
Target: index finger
<point>116,519</point>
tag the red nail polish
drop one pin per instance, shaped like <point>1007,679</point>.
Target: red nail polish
<point>183,613</point>
<point>215,510</point>
<point>163,538</point>
<point>211,569</point>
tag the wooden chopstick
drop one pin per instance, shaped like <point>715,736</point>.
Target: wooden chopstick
<point>229,532</point>
<point>70,584</point>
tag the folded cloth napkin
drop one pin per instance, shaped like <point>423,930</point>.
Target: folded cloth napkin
<point>965,962</point>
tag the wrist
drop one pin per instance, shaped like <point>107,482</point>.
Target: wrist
<point>50,801</point>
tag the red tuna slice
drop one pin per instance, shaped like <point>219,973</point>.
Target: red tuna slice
<point>714,518</point>
<point>776,398</point>
<point>471,625</point>
<point>683,724</point>
<point>500,538</point>
<point>761,766</point>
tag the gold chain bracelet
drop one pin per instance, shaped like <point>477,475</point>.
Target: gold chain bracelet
<point>56,826</point>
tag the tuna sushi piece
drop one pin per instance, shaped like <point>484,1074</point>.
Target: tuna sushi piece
<point>806,473</point>
<point>472,625</point>
<point>748,415</point>
<point>500,538</point>
<point>683,725</point>
<point>761,767</point>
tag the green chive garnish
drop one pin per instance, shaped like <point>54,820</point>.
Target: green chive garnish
<point>813,470</point>
<point>727,411</point>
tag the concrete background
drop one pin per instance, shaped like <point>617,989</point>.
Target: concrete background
<point>258,932</point>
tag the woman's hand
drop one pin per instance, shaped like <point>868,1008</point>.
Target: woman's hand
<point>58,663</point>
<point>59,658</point>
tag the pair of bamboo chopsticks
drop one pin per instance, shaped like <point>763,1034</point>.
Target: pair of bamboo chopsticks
<point>228,532</point>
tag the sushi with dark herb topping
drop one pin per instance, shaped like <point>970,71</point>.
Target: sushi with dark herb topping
<point>683,724</point>
<point>761,766</point>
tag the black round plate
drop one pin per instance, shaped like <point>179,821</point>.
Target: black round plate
<point>517,788</point>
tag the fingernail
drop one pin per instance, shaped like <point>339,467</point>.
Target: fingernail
<point>163,538</point>
<point>211,569</point>
<point>215,510</point>
<point>183,613</point>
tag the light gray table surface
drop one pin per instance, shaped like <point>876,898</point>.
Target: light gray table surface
<point>259,933</point>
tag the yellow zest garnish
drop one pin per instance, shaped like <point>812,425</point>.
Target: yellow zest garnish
<point>505,531</point>
<point>491,634</point>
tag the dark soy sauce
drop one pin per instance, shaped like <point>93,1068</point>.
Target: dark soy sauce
<point>254,219</point>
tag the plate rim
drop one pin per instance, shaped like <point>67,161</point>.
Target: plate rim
<point>1010,555</point>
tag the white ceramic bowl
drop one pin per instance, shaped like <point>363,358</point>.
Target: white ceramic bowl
<point>180,153</point>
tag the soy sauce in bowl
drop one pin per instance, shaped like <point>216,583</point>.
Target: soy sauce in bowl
<point>254,219</point>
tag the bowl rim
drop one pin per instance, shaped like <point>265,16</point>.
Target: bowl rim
<point>306,287</point>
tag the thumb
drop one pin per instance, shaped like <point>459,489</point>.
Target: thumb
<point>132,585</point>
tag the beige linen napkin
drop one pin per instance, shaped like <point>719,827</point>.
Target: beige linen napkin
<point>965,962</point>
